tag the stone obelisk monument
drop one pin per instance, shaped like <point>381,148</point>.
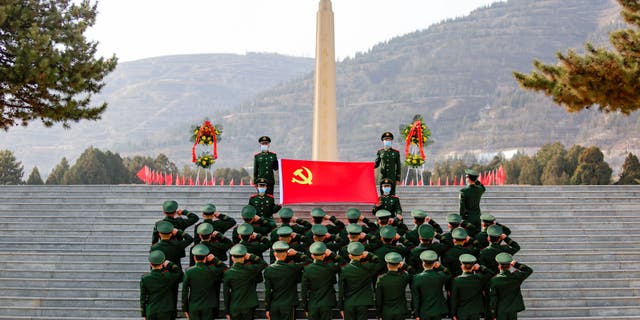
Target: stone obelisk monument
<point>325,128</point>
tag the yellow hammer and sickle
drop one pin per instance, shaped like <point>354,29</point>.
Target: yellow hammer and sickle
<point>304,178</point>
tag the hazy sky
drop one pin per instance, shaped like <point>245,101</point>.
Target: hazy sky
<point>136,29</point>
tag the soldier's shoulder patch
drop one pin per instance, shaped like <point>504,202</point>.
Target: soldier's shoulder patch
<point>395,197</point>
<point>257,154</point>
<point>254,195</point>
<point>269,195</point>
<point>273,153</point>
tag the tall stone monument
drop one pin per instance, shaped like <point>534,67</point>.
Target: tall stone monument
<point>325,128</point>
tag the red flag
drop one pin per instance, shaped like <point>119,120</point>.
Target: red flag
<point>212,182</point>
<point>168,179</point>
<point>190,181</point>
<point>231,182</point>
<point>241,182</point>
<point>222,181</point>
<point>462,180</point>
<point>143,174</point>
<point>439,184</point>
<point>178,182</point>
<point>430,181</point>
<point>420,182</point>
<point>304,181</point>
<point>160,178</point>
<point>455,181</point>
<point>411,183</point>
<point>446,183</point>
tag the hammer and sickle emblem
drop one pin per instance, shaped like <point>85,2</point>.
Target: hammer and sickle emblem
<point>305,178</point>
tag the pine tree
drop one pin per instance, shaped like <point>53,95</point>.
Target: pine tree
<point>57,174</point>
<point>592,169</point>
<point>34,177</point>
<point>630,170</point>
<point>11,170</point>
<point>608,79</point>
<point>47,67</point>
<point>88,169</point>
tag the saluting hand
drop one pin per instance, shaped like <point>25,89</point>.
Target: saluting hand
<point>186,314</point>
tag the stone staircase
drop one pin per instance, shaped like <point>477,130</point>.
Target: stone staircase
<point>77,252</point>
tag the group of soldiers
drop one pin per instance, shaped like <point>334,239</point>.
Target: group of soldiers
<point>465,272</point>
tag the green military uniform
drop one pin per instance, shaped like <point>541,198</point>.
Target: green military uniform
<point>353,216</point>
<point>390,203</point>
<point>201,287</point>
<point>283,233</point>
<point>318,295</point>
<point>419,217</point>
<point>355,285</point>
<point>383,217</point>
<point>455,220</point>
<point>470,201</point>
<point>388,159</point>
<point>264,163</point>
<point>391,300</point>
<point>222,224</point>
<point>426,233</point>
<point>317,215</point>
<point>156,295</point>
<point>217,243</point>
<point>239,285</point>
<point>481,237</point>
<point>429,303</point>
<point>255,245</point>
<point>451,257</point>
<point>388,233</point>
<point>356,229</point>
<point>487,255</point>
<point>280,285</point>
<point>505,298</point>
<point>262,226</point>
<point>299,226</point>
<point>467,294</point>
<point>181,222</point>
<point>172,249</point>
<point>265,205</point>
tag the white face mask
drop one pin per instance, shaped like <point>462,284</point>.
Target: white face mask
<point>386,143</point>
<point>264,147</point>
<point>262,189</point>
<point>386,190</point>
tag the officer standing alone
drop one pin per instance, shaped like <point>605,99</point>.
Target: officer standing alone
<point>264,163</point>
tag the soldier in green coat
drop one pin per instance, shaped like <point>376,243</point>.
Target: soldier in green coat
<point>222,224</point>
<point>264,203</point>
<point>298,225</point>
<point>355,285</point>
<point>454,221</point>
<point>319,217</point>
<point>505,298</point>
<point>201,285</point>
<point>470,199</point>
<point>429,302</point>
<point>388,159</point>
<point>419,218</point>
<point>391,287</point>
<point>388,201</point>
<point>426,234</point>
<point>264,163</point>
<point>385,218</point>
<point>488,220</point>
<point>216,242</point>
<point>156,288</point>
<point>255,243</point>
<point>318,279</point>
<point>355,234</point>
<point>239,284</point>
<point>452,256</point>
<point>467,290</point>
<point>354,216</point>
<point>286,234</point>
<point>260,225</point>
<point>496,237</point>
<point>389,243</point>
<point>180,219</point>
<point>280,283</point>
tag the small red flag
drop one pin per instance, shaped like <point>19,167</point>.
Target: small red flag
<point>143,174</point>
<point>455,181</point>
<point>231,182</point>
<point>430,181</point>
<point>213,181</point>
<point>190,181</point>
<point>304,181</point>
<point>222,181</point>
<point>446,183</point>
<point>168,179</point>
<point>439,183</point>
<point>241,182</point>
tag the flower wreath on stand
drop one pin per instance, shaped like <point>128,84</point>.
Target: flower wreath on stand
<point>205,134</point>
<point>417,136</point>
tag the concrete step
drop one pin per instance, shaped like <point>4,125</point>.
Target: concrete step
<point>604,311</point>
<point>602,293</point>
<point>40,302</point>
<point>63,312</point>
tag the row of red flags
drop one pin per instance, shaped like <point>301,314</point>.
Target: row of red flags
<point>149,176</point>
<point>496,177</point>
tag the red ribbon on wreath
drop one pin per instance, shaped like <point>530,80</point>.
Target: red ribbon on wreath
<point>206,124</point>
<point>416,130</point>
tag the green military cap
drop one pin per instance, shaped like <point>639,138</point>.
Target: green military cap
<point>355,248</point>
<point>386,181</point>
<point>284,231</point>
<point>388,232</point>
<point>383,213</point>
<point>319,230</point>
<point>418,213</point>
<point>248,211</point>
<point>467,259</point>
<point>504,258</point>
<point>429,256</point>
<point>393,257</point>
<point>459,233</point>
<point>353,213</point>
<point>209,208</point>
<point>318,247</point>
<point>264,139</point>
<point>245,229</point>
<point>156,257</point>
<point>200,250</point>
<point>494,231</point>
<point>318,212</point>
<point>487,217</point>
<point>353,228</point>
<point>164,227</point>
<point>238,250</point>
<point>426,231</point>
<point>471,172</point>
<point>261,181</point>
<point>170,206</point>
<point>454,218</point>
<point>285,213</point>
<point>280,246</point>
<point>386,135</point>
<point>205,228</point>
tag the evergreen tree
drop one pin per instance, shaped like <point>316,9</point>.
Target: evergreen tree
<point>47,67</point>
<point>554,172</point>
<point>57,174</point>
<point>88,169</point>
<point>34,177</point>
<point>513,167</point>
<point>529,172</point>
<point>630,170</point>
<point>592,169</point>
<point>117,173</point>
<point>572,157</point>
<point>11,170</point>
<point>608,79</point>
